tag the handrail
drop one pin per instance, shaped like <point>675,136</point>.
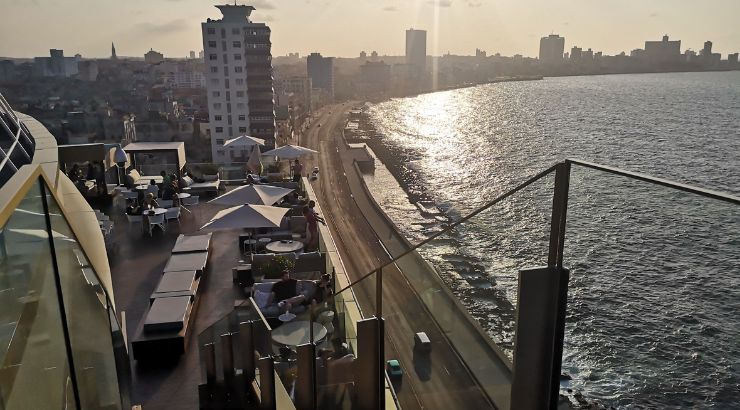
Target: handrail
<point>707,193</point>
<point>455,224</point>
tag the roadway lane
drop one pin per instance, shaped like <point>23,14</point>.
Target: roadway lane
<point>442,382</point>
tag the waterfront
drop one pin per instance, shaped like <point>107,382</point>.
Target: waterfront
<point>653,295</point>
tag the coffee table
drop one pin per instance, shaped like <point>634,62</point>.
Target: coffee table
<point>284,246</point>
<point>298,332</point>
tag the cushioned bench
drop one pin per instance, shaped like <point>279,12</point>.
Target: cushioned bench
<point>210,184</point>
<point>167,314</point>
<point>164,331</point>
<point>187,261</point>
<point>192,243</point>
<point>174,284</point>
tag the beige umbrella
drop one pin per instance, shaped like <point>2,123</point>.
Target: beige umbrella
<point>252,194</point>
<point>244,141</point>
<point>254,164</point>
<point>290,152</point>
<point>247,217</point>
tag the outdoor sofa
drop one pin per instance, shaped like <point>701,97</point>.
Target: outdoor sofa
<point>137,179</point>
<point>210,185</point>
<point>260,292</point>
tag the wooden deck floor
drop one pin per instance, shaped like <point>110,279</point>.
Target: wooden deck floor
<point>136,265</point>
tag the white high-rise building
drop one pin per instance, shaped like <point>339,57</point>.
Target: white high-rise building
<point>238,67</point>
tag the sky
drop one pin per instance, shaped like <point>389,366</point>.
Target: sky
<point>343,28</point>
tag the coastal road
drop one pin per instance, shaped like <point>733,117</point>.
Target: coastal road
<point>440,381</point>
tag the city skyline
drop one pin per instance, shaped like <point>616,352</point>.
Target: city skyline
<point>475,24</point>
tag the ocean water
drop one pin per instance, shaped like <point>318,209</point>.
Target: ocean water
<point>654,297</point>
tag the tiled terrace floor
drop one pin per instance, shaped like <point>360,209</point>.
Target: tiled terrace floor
<point>136,263</point>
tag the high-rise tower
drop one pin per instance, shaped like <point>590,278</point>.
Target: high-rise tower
<point>416,48</point>
<point>321,71</point>
<point>552,48</point>
<point>113,52</point>
<point>238,78</point>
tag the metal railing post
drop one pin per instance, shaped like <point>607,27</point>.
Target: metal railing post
<point>379,293</point>
<point>559,212</point>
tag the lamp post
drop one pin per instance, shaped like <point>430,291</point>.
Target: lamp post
<point>120,158</point>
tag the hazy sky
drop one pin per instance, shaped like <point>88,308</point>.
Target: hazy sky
<point>345,27</point>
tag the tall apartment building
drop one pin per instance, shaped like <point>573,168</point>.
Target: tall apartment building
<point>321,72</point>
<point>416,49</point>
<point>238,78</point>
<point>664,51</point>
<point>552,48</point>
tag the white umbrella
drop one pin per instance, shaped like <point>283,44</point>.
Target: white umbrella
<point>244,141</point>
<point>252,194</point>
<point>290,152</point>
<point>247,216</point>
<point>254,164</point>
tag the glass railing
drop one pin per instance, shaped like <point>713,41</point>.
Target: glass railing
<point>61,345</point>
<point>637,251</point>
<point>652,299</point>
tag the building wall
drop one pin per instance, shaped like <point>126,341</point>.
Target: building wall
<point>238,70</point>
<point>321,72</point>
<point>416,48</point>
<point>552,48</point>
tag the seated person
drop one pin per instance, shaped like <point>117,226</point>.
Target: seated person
<point>150,202</point>
<point>285,292</point>
<point>166,180</point>
<point>169,191</point>
<point>133,208</point>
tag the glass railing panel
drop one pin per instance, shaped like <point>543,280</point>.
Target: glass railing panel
<point>87,311</point>
<point>654,295</point>
<point>460,289</point>
<point>336,350</point>
<point>34,368</point>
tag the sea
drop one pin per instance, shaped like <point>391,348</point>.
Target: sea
<point>654,295</point>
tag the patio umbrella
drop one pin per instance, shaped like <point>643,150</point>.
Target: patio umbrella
<point>290,152</point>
<point>248,217</point>
<point>254,164</point>
<point>252,194</point>
<point>244,141</point>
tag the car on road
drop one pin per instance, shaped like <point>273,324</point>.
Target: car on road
<point>422,342</point>
<point>393,367</point>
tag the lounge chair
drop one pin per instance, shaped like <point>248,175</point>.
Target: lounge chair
<point>139,179</point>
